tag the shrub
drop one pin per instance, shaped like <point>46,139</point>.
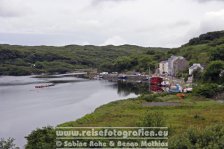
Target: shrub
<point>149,97</point>
<point>152,97</point>
<point>153,119</point>
<point>208,90</point>
<point>180,142</point>
<point>213,72</point>
<point>41,139</point>
<point>211,137</point>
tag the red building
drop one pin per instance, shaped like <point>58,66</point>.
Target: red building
<point>156,80</point>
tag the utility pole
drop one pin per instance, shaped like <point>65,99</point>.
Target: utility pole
<point>149,79</point>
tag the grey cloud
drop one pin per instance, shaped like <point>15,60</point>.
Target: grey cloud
<point>6,13</point>
<point>49,39</point>
<point>165,23</point>
<point>180,24</point>
<point>203,1</point>
<point>96,2</point>
<point>11,8</point>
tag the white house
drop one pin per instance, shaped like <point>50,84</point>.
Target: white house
<point>104,73</point>
<point>163,67</point>
<point>195,67</point>
<point>221,73</point>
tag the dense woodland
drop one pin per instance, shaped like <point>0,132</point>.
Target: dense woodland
<point>26,60</point>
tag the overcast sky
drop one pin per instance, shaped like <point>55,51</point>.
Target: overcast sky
<point>163,23</point>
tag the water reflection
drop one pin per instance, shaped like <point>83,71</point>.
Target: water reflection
<point>125,88</point>
<point>156,88</point>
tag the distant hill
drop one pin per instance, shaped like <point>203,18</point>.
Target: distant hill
<point>26,60</point>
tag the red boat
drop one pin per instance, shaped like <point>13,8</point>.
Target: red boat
<point>40,86</point>
<point>156,80</point>
<point>45,85</point>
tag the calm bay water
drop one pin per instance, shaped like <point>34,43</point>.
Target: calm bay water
<point>24,108</point>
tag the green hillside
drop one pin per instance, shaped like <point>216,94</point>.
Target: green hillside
<point>25,60</point>
<point>203,49</point>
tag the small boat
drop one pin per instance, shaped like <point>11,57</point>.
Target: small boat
<point>165,83</point>
<point>39,86</point>
<point>188,90</point>
<point>45,85</point>
<point>122,77</point>
<point>52,84</point>
<point>175,89</point>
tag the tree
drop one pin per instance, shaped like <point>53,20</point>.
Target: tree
<point>41,139</point>
<point>217,54</point>
<point>213,72</point>
<point>122,63</point>
<point>197,75</point>
<point>7,144</point>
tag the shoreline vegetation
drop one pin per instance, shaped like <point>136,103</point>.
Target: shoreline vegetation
<point>127,113</point>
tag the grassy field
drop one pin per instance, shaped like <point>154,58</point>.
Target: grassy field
<point>192,111</point>
<point>195,123</point>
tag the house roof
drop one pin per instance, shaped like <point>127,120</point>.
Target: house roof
<point>196,66</point>
<point>164,62</point>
